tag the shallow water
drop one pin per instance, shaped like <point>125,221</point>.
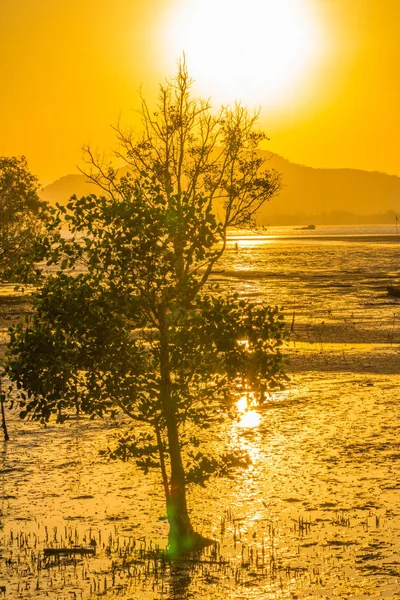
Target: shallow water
<point>319,503</point>
<point>315,516</point>
<point>336,286</point>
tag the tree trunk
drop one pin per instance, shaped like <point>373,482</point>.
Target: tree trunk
<point>3,415</point>
<point>182,537</point>
<point>181,530</point>
<point>3,422</point>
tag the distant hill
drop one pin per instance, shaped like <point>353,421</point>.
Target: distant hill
<point>62,189</point>
<point>319,196</point>
<point>331,196</point>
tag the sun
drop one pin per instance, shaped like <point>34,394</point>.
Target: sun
<point>255,51</point>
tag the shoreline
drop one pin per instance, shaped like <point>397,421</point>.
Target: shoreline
<point>311,347</point>
<point>393,238</point>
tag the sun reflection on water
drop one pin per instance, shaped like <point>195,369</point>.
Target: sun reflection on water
<point>249,418</point>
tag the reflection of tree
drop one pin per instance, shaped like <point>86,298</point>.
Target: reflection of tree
<point>180,580</point>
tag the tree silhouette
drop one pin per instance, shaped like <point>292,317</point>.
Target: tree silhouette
<point>20,216</point>
<point>130,322</point>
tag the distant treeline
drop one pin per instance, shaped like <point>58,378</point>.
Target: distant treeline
<point>335,217</point>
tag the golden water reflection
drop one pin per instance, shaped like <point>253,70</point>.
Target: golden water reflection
<point>248,416</point>
<point>250,419</point>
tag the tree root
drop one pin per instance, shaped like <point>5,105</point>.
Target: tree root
<point>184,545</point>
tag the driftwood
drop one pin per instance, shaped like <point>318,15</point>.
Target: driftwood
<point>80,551</point>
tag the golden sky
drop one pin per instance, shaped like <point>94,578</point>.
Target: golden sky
<point>326,73</point>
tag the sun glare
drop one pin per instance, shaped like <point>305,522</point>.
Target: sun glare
<point>257,52</point>
<point>249,417</point>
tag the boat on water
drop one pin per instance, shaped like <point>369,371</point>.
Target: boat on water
<point>306,228</point>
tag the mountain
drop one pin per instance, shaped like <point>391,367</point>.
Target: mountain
<point>62,189</point>
<point>308,195</point>
<point>331,196</point>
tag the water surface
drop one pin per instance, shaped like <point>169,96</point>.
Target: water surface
<point>317,513</point>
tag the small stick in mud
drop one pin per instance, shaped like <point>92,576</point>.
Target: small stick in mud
<point>293,318</point>
<point>3,415</point>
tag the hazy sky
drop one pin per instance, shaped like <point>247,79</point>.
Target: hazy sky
<point>326,73</point>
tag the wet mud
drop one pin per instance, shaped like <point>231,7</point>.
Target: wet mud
<point>317,513</point>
